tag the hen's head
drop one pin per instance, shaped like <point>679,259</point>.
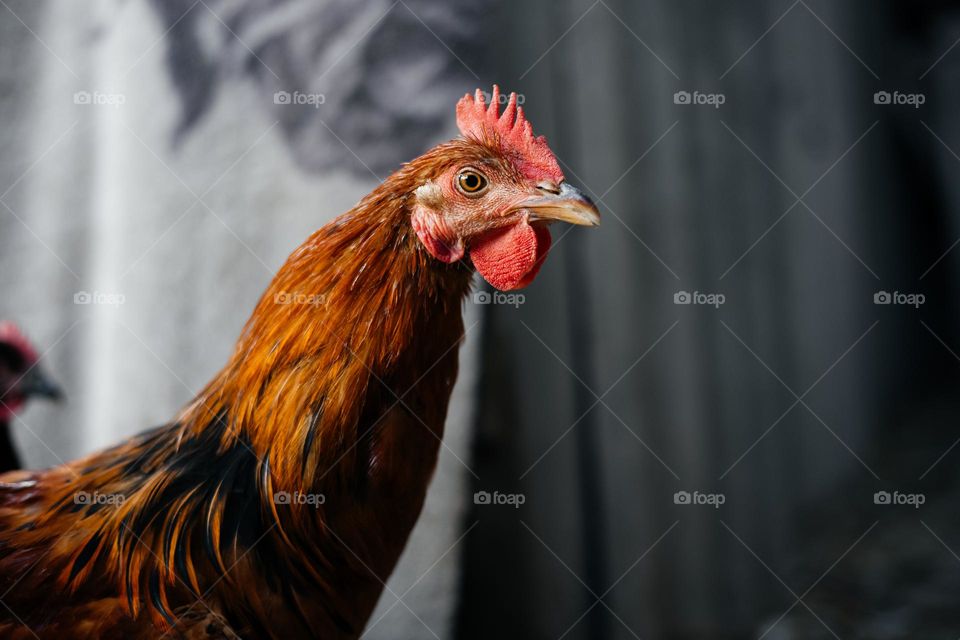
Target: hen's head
<point>491,195</point>
<point>20,376</point>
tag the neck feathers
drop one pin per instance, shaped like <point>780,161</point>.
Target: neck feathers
<point>314,399</point>
<point>336,324</point>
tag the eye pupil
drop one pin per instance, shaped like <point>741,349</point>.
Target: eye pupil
<point>471,182</point>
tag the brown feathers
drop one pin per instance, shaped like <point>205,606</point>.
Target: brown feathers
<point>278,501</point>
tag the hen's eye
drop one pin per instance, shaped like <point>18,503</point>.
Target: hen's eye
<point>471,182</point>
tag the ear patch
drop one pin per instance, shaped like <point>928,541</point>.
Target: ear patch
<point>429,195</point>
<point>434,232</point>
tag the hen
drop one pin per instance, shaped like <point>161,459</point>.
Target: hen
<point>21,378</point>
<point>276,504</point>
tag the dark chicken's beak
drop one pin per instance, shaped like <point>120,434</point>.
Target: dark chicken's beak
<point>566,204</point>
<point>36,383</point>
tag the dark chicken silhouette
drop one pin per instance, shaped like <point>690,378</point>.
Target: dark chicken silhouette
<point>21,378</point>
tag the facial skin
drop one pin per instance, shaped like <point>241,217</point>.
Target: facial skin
<point>448,212</point>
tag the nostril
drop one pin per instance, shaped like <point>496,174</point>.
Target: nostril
<point>549,186</point>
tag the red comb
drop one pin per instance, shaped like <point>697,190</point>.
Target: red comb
<point>11,335</point>
<point>511,131</point>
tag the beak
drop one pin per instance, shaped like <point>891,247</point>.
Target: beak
<point>36,383</point>
<point>568,204</point>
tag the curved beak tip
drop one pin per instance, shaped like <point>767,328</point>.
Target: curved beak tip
<point>583,203</point>
<point>37,384</point>
<point>569,204</point>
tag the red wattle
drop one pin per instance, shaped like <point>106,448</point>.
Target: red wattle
<point>510,257</point>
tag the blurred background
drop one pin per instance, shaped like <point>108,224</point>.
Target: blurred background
<point>730,412</point>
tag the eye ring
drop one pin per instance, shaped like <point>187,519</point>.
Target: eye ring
<point>471,182</point>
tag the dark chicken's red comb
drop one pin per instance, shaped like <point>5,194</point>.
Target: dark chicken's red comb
<point>511,131</point>
<point>11,335</point>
